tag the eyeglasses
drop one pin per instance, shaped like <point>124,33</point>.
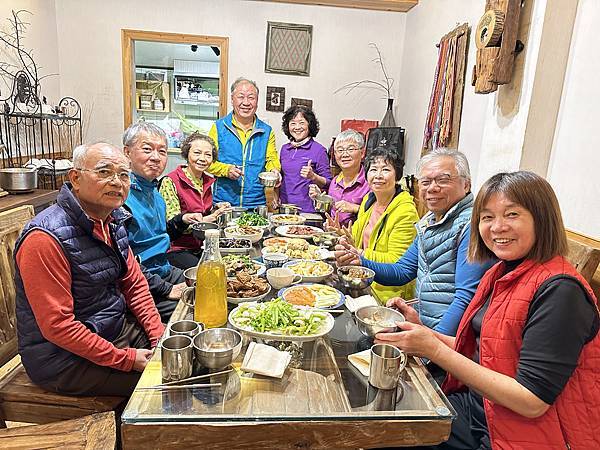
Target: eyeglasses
<point>349,150</point>
<point>441,180</point>
<point>107,175</point>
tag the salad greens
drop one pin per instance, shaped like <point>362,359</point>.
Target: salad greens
<point>279,316</point>
<point>252,219</point>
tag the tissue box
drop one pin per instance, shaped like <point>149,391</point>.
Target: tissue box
<point>265,360</point>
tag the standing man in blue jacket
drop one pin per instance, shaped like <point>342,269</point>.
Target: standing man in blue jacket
<point>246,147</point>
<point>437,258</point>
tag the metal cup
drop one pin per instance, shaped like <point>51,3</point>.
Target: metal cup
<point>177,358</point>
<point>185,328</point>
<point>225,218</point>
<point>262,210</point>
<point>387,363</point>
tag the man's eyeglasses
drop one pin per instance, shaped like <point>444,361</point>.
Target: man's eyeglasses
<point>441,180</point>
<point>109,174</point>
<point>349,150</point>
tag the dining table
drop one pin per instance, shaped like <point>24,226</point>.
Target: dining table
<point>322,400</point>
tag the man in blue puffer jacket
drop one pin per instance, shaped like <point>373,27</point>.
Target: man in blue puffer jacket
<point>437,258</point>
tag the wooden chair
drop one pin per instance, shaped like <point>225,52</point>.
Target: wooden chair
<point>584,257</point>
<point>20,399</point>
<point>95,432</point>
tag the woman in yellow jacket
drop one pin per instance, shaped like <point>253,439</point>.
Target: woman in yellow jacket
<point>385,228</point>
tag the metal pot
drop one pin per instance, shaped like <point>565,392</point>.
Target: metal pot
<point>323,203</point>
<point>18,180</point>
<point>289,208</point>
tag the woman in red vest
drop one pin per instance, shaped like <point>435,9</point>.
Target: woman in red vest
<point>524,368</point>
<point>188,189</point>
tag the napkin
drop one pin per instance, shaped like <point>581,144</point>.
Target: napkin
<point>362,361</point>
<point>354,303</point>
<point>265,360</point>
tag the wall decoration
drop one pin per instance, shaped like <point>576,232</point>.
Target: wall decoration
<point>302,101</point>
<point>288,48</point>
<point>275,98</point>
<point>445,104</point>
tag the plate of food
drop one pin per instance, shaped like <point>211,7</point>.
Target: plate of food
<point>242,263</point>
<point>287,219</point>
<point>293,248</point>
<point>234,245</point>
<point>254,234</point>
<point>247,288</point>
<point>314,295</point>
<point>297,231</point>
<point>281,321</point>
<point>252,220</point>
<point>310,270</point>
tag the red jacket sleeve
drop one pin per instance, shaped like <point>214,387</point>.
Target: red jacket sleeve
<point>139,300</point>
<point>46,276</point>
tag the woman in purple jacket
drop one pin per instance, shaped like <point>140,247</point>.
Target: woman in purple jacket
<point>303,160</point>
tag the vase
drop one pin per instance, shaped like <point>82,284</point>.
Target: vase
<point>389,120</point>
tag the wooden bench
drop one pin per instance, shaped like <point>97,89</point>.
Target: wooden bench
<point>94,432</point>
<point>20,399</point>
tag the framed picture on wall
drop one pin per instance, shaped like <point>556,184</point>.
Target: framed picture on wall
<point>275,98</point>
<point>302,101</point>
<point>288,48</point>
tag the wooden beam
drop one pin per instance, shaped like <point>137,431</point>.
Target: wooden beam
<point>378,5</point>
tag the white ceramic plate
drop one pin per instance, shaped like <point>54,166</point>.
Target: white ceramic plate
<point>326,327</point>
<point>260,270</point>
<point>284,231</point>
<point>231,232</point>
<point>287,219</point>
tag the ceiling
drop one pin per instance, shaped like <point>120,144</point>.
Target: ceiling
<point>162,54</point>
<point>380,5</point>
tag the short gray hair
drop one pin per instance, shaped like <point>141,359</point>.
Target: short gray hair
<point>132,132</point>
<point>80,152</point>
<point>241,80</point>
<point>460,161</point>
<point>350,135</point>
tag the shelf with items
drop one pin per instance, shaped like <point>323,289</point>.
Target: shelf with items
<point>152,95</point>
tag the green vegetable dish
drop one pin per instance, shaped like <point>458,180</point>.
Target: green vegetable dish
<point>279,316</point>
<point>252,219</point>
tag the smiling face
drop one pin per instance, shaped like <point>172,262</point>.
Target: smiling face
<point>148,156</point>
<point>507,228</point>
<point>100,196</point>
<point>439,199</point>
<point>244,99</point>
<point>348,155</point>
<point>200,157</point>
<point>298,128</point>
<point>381,177</point>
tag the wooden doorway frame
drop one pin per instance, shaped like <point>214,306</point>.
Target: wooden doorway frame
<point>127,47</point>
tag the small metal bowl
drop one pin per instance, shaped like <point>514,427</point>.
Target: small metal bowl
<point>326,239</point>
<point>216,348</point>
<point>190,276</point>
<point>377,319</point>
<point>323,203</point>
<point>199,228</point>
<point>237,211</point>
<point>288,208</point>
<point>355,282</point>
<point>268,179</point>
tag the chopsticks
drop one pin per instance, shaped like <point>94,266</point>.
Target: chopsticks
<point>411,301</point>
<point>199,377</point>
<point>185,386</point>
<point>332,311</point>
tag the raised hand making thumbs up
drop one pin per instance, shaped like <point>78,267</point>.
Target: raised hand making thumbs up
<point>307,171</point>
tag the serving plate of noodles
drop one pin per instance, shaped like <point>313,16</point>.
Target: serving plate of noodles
<point>311,271</point>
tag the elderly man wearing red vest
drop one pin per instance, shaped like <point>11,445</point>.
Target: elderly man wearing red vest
<point>524,368</point>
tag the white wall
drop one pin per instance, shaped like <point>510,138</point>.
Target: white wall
<point>90,53</point>
<point>40,36</point>
<point>426,23</point>
<point>575,160</point>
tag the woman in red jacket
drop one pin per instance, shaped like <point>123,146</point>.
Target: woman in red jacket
<point>524,368</point>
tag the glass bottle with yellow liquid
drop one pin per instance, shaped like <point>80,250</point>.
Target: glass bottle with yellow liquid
<point>211,284</point>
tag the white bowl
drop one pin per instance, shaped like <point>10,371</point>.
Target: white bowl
<point>309,278</point>
<point>231,232</point>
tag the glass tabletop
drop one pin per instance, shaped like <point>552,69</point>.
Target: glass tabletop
<point>319,384</point>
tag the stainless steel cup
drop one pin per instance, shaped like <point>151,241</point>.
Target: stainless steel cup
<point>387,363</point>
<point>177,358</point>
<point>225,218</point>
<point>262,210</point>
<point>185,328</point>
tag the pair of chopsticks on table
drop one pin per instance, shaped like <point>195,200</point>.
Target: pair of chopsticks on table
<point>177,384</point>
